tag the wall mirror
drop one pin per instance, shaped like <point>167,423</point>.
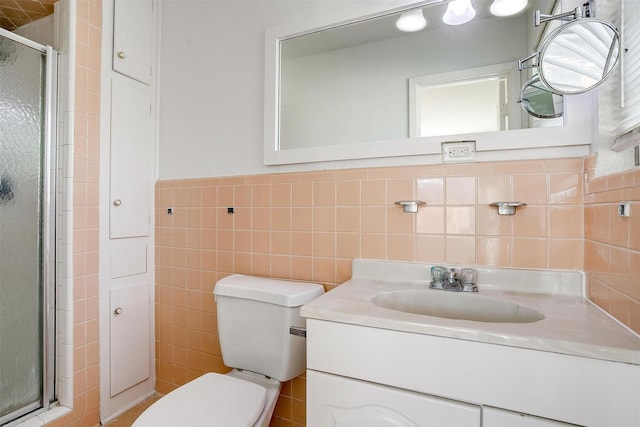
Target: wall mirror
<point>361,88</point>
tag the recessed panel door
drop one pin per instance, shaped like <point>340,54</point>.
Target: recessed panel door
<point>129,341</point>
<point>132,38</point>
<point>130,159</point>
<point>335,401</point>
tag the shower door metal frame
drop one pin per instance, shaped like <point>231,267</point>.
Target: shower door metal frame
<point>48,236</point>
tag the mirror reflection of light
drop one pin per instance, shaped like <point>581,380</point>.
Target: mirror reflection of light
<point>507,7</point>
<point>412,20</point>
<point>459,12</point>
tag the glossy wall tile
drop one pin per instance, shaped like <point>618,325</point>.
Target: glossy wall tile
<point>612,245</point>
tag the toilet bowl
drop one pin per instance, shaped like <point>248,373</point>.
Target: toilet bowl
<point>258,326</point>
<point>239,399</point>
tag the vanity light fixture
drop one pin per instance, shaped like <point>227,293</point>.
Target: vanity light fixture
<point>507,7</point>
<point>459,12</point>
<point>411,20</point>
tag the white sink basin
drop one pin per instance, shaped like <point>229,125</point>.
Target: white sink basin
<point>457,305</point>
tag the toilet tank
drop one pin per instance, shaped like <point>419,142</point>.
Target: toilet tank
<point>254,317</point>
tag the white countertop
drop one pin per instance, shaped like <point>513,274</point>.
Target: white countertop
<point>572,325</point>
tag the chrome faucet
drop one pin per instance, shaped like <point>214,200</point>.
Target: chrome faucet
<point>450,279</point>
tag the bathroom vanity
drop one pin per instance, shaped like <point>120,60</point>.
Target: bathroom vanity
<point>372,365</point>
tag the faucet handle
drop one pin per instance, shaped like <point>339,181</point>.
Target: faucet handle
<point>468,279</point>
<point>468,275</point>
<point>468,287</point>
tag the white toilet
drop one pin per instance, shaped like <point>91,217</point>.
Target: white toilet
<point>254,320</point>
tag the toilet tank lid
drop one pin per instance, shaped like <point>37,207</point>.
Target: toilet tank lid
<point>286,293</point>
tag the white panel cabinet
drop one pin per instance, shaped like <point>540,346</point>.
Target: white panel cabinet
<point>132,38</point>
<point>127,179</point>
<point>130,159</point>
<point>336,401</point>
<point>129,341</point>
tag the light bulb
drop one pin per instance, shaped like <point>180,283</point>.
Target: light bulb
<point>458,8</point>
<point>507,7</point>
<point>459,12</point>
<point>412,20</point>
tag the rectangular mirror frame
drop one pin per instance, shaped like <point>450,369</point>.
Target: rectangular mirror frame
<point>573,139</point>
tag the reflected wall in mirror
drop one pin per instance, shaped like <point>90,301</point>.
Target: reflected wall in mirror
<point>349,84</point>
<point>468,101</point>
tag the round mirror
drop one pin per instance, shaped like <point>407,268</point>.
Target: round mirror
<point>578,56</point>
<point>539,101</point>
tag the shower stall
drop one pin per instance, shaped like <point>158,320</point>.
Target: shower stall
<point>27,226</point>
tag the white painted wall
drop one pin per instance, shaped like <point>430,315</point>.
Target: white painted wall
<point>41,31</point>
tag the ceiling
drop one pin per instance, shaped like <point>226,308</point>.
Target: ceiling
<point>16,13</point>
<point>383,27</point>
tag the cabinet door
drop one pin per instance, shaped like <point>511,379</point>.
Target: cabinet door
<point>130,330</point>
<point>492,417</point>
<point>132,38</point>
<point>130,159</point>
<point>334,401</point>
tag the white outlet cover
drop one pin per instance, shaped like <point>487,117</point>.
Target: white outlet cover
<point>451,150</point>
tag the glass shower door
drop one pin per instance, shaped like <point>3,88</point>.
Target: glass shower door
<point>25,233</point>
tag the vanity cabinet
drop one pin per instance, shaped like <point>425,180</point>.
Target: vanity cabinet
<point>574,366</point>
<point>359,375</point>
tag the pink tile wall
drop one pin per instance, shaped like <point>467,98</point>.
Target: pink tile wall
<point>86,355</point>
<point>612,245</point>
<point>309,226</point>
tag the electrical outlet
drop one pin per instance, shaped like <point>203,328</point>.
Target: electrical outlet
<point>459,151</point>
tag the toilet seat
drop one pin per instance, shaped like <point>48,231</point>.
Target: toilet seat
<point>210,400</point>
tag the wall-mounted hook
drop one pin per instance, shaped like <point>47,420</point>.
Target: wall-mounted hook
<point>507,208</point>
<point>410,206</point>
